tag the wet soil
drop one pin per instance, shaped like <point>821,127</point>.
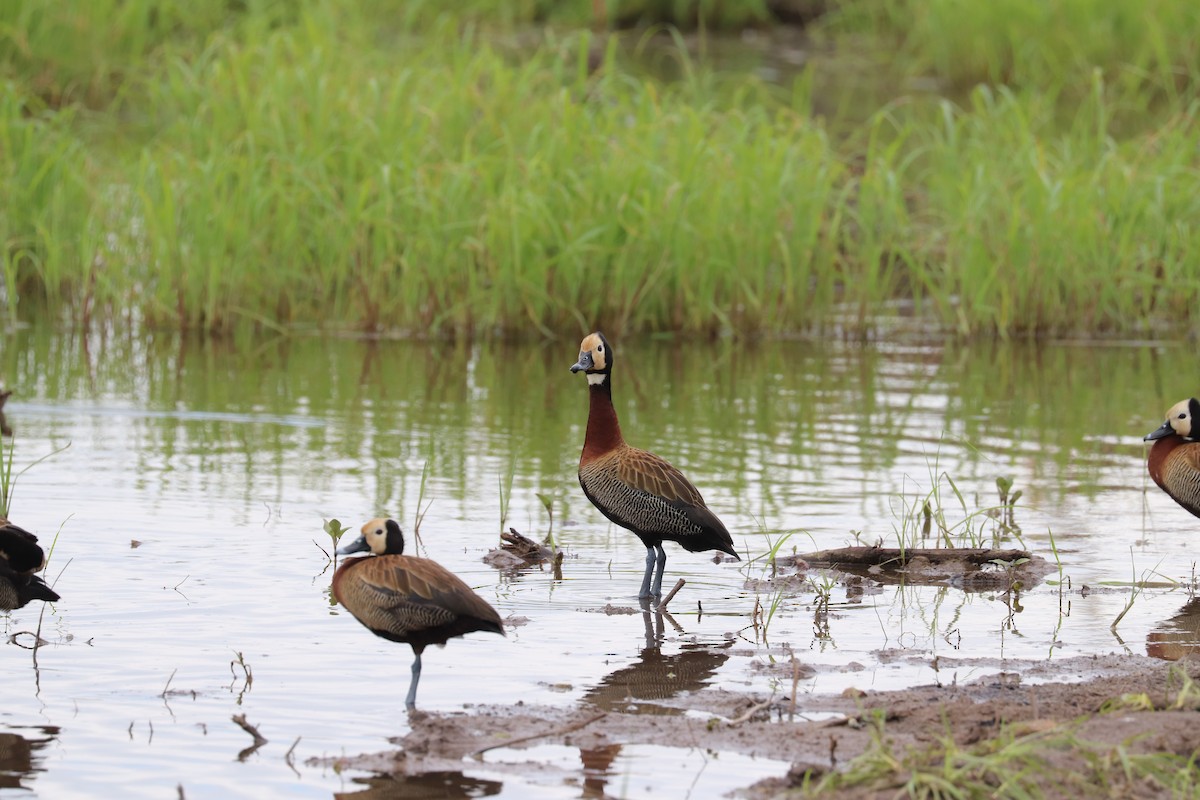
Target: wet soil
<point>816,733</point>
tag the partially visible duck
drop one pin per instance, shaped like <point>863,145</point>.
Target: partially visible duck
<point>4,429</point>
<point>20,558</point>
<point>634,488</point>
<point>407,599</point>
<point>1174,462</point>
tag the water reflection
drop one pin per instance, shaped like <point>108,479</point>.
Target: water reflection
<point>424,785</point>
<point>20,757</point>
<point>656,676</point>
<point>597,766</point>
<point>221,456</point>
<point>1178,636</point>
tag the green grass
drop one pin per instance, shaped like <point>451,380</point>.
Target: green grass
<point>293,166</point>
<point>1012,764</point>
<point>1138,45</point>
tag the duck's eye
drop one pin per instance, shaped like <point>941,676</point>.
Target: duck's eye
<point>1183,416</point>
<point>600,349</point>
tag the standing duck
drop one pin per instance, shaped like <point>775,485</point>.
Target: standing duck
<point>636,489</point>
<point>1174,462</point>
<point>20,558</point>
<point>407,599</point>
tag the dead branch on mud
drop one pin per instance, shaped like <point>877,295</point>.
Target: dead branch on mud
<point>574,726</point>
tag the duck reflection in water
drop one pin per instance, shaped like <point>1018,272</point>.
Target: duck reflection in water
<point>655,676</point>
<point>20,757</point>
<point>1178,636</point>
<point>421,785</point>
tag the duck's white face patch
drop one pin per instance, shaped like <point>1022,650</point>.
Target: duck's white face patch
<point>592,343</point>
<point>1179,416</point>
<point>375,532</point>
<point>596,378</point>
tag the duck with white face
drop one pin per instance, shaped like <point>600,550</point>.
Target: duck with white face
<point>406,599</point>
<point>636,489</point>
<point>1174,462</point>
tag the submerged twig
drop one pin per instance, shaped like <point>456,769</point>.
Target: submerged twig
<point>259,739</point>
<point>289,757</point>
<point>678,585</point>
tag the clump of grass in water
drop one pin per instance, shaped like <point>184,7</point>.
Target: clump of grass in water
<point>926,521</point>
<point>762,615</point>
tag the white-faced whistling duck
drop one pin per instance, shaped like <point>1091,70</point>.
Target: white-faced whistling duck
<point>1174,462</point>
<point>20,558</point>
<point>407,599</point>
<point>636,489</point>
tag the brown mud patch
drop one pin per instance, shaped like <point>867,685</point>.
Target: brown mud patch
<point>1129,703</point>
<point>968,568</point>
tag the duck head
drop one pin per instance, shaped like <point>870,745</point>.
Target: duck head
<point>1180,421</point>
<point>595,358</point>
<point>379,536</point>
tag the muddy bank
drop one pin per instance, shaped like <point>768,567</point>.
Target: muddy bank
<point>1145,704</point>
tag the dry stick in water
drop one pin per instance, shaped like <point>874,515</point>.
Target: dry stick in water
<point>678,585</point>
<point>289,757</point>
<point>259,739</point>
<point>574,726</point>
<point>754,709</point>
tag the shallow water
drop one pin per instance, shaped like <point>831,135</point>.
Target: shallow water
<point>188,512</point>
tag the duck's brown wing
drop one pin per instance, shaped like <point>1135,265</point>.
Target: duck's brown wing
<point>645,493</point>
<point>401,596</point>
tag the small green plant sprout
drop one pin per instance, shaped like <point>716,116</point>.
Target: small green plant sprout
<point>823,590</point>
<point>336,531</point>
<point>1008,501</point>
<point>1003,484</point>
<point>776,604</point>
<point>775,547</point>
